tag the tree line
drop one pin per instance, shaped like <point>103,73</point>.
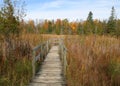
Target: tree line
<point>89,26</point>
<point>11,22</point>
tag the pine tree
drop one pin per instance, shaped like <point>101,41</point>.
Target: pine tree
<point>9,24</point>
<point>90,23</point>
<point>111,25</point>
<point>9,18</point>
<point>90,17</point>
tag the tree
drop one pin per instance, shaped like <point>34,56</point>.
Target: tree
<point>31,27</point>
<point>118,28</point>
<point>58,26</point>
<point>9,24</point>
<point>89,23</point>
<point>74,26</point>
<point>90,17</point>
<point>65,26</point>
<point>10,17</point>
<point>111,25</point>
<point>80,29</point>
<point>49,27</point>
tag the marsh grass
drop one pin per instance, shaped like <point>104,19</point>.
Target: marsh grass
<point>93,61</point>
<point>16,67</point>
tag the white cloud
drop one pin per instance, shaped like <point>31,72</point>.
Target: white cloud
<point>73,9</point>
<point>69,14</point>
<point>52,4</point>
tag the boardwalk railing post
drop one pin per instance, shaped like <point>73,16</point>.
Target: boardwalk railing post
<point>41,50</point>
<point>33,63</point>
<point>61,46</point>
<point>65,62</point>
<point>63,52</point>
<point>47,46</point>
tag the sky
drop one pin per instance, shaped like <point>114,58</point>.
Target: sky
<point>70,9</point>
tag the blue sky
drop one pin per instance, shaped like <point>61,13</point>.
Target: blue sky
<point>71,9</point>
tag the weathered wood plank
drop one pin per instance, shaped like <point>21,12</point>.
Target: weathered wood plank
<point>46,84</point>
<point>51,71</point>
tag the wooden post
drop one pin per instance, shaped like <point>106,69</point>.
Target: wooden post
<point>41,53</point>
<point>60,47</point>
<point>61,52</point>
<point>33,63</point>
<point>47,46</point>
<point>44,50</point>
<point>65,62</point>
<point>63,56</point>
<point>49,43</point>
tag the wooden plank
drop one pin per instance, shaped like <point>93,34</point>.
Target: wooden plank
<point>46,84</point>
<point>50,73</point>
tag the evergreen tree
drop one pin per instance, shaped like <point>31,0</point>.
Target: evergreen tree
<point>111,25</point>
<point>90,17</point>
<point>118,28</point>
<point>90,23</point>
<point>9,19</point>
<point>9,24</point>
<point>49,31</point>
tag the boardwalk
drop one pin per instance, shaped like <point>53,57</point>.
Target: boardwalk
<point>50,73</point>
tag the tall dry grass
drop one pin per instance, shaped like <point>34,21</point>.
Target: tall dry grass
<point>16,59</point>
<point>93,61</point>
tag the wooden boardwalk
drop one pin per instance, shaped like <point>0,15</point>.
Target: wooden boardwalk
<point>51,71</point>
